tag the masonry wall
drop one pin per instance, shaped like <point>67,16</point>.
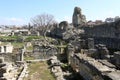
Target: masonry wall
<point>43,52</point>
<point>108,34</point>
<point>104,30</point>
<point>109,42</point>
<point>7,57</point>
<point>87,71</point>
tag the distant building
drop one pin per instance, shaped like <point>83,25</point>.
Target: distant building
<point>109,20</point>
<point>98,22</point>
<point>23,32</point>
<point>91,23</point>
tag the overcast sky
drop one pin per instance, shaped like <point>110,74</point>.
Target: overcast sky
<point>21,11</point>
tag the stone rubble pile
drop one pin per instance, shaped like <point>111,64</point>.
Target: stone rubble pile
<point>56,69</point>
<point>7,70</point>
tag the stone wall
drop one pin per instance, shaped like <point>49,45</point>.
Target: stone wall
<point>107,33</point>
<point>78,18</point>
<point>92,63</point>
<point>113,43</point>
<point>7,70</point>
<point>43,51</point>
<point>91,69</point>
<point>104,30</point>
<point>7,57</point>
<point>117,59</point>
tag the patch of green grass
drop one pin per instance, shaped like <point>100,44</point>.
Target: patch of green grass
<point>65,65</point>
<point>9,37</point>
<point>29,48</point>
<point>28,58</point>
<point>29,38</point>
<point>39,71</point>
<point>33,67</point>
<point>17,44</point>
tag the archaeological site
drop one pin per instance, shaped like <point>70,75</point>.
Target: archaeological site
<point>81,50</point>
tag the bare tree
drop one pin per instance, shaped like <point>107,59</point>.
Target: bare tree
<point>43,22</point>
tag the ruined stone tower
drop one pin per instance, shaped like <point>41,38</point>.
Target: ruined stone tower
<point>78,18</point>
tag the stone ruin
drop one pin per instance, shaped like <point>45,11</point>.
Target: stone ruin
<point>88,53</point>
<point>65,31</point>
<point>87,46</point>
<point>19,57</point>
<point>7,71</point>
<point>64,25</point>
<point>78,18</point>
<point>91,69</point>
<point>59,29</point>
<point>43,50</point>
<point>106,33</point>
<point>103,52</point>
<point>56,69</point>
<point>117,59</point>
<point>93,62</point>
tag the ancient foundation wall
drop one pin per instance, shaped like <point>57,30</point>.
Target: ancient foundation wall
<point>107,33</point>
<point>7,57</point>
<point>91,69</point>
<point>109,42</point>
<point>104,30</point>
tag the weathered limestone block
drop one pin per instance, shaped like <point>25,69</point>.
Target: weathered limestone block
<point>115,75</point>
<point>92,52</point>
<point>102,51</point>
<point>2,64</point>
<point>1,59</point>
<point>117,59</point>
<point>2,71</point>
<point>90,43</point>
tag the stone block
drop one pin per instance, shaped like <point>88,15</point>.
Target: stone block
<point>1,59</point>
